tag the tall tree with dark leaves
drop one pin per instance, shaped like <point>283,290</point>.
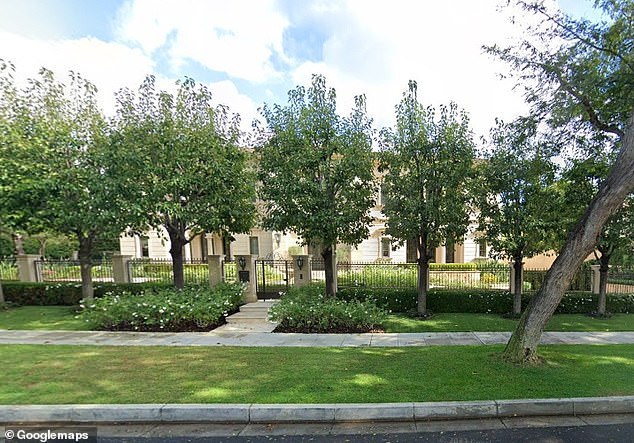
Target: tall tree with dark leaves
<point>428,161</point>
<point>55,141</point>
<point>316,170</point>
<point>578,78</point>
<point>578,186</point>
<point>515,195</point>
<point>180,165</point>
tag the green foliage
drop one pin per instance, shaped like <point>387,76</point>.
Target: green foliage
<point>308,310</point>
<point>6,245</point>
<point>180,165</point>
<point>190,309</point>
<point>54,139</point>
<point>428,163</point>
<point>515,191</point>
<point>8,270</point>
<point>66,294</point>
<point>316,169</point>
<point>483,301</point>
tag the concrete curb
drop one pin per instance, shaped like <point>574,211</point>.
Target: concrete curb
<point>312,413</point>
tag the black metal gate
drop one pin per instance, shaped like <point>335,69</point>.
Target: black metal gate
<point>272,277</point>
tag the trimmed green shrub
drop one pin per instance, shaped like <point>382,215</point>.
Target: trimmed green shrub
<point>308,310</point>
<point>67,294</point>
<point>480,301</point>
<point>190,309</point>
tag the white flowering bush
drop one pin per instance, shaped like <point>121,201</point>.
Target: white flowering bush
<point>308,310</point>
<point>191,309</point>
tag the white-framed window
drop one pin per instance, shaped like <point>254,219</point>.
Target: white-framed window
<point>254,246</point>
<point>482,247</point>
<point>143,248</point>
<point>386,247</point>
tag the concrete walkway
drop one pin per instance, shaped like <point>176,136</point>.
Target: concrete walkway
<point>228,337</point>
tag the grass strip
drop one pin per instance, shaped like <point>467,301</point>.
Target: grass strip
<point>497,323</point>
<point>41,374</point>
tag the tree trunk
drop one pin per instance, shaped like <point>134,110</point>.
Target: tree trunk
<point>517,285</point>
<point>423,283</point>
<point>423,275</point>
<point>1,294</point>
<point>177,242</point>
<point>522,346</point>
<point>604,262</point>
<point>330,268</point>
<point>85,266</point>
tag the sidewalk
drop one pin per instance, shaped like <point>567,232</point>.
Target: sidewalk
<point>264,339</point>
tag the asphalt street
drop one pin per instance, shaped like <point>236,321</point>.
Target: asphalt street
<point>586,434</point>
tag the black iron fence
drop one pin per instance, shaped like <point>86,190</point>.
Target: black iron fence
<point>620,280</point>
<point>195,271</point>
<point>273,277</point>
<point>70,271</point>
<point>8,269</point>
<point>405,275</point>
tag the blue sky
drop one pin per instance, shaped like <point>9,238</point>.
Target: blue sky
<point>251,52</point>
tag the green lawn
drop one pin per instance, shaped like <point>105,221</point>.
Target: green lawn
<point>42,317</point>
<point>496,323</point>
<point>40,374</point>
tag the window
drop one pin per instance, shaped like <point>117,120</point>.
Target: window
<point>482,248</point>
<point>254,246</point>
<point>144,246</point>
<point>386,246</point>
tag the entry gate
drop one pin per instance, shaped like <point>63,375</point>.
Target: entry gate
<point>272,278</point>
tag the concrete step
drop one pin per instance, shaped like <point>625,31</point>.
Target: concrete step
<point>245,316</point>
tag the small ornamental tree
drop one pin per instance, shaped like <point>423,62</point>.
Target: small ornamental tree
<point>428,161</point>
<point>55,139</point>
<point>316,170</point>
<point>180,166</point>
<point>578,186</point>
<point>515,197</point>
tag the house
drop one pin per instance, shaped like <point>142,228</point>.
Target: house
<point>277,245</point>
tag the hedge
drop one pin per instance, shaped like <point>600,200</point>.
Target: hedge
<point>480,301</point>
<point>67,294</point>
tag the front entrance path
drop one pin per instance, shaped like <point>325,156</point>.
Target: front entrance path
<point>229,337</point>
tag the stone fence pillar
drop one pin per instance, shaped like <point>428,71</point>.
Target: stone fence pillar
<point>595,278</point>
<point>302,269</point>
<point>513,277</point>
<point>120,271</point>
<point>216,263</point>
<point>27,271</point>
<point>245,270</point>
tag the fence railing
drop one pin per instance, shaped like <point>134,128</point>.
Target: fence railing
<point>140,270</point>
<point>229,271</point>
<point>620,280</point>
<point>8,269</point>
<point>70,271</point>
<point>534,278</point>
<point>405,275</point>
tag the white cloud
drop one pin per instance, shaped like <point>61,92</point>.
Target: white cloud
<point>379,46</point>
<point>236,37</point>
<point>110,66</point>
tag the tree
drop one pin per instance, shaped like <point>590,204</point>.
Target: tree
<point>578,185</point>
<point>514,196</point>
<point>427,163</point>
<point>579,78</point>
<point>316,170</point>
<point>180,165</point>
<point>55,140</point>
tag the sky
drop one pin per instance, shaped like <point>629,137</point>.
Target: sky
<point>252,52</point>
